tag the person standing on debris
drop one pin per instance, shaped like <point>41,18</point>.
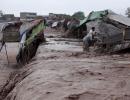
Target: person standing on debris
<point>88,39</point>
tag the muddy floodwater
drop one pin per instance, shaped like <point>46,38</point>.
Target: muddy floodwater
<point>62,71</point>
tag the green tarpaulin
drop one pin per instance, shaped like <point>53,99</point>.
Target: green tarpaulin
<point>34,37</point>
<point>35,31</point>
<point>93,16</point>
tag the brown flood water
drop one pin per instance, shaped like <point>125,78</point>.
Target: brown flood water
<point>61,71</point>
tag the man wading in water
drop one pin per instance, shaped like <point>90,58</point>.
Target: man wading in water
<point>89,39</point>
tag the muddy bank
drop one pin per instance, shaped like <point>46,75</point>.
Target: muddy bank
<point>61,71</point>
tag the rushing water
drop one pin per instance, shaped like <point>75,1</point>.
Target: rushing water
<point>63,44</point>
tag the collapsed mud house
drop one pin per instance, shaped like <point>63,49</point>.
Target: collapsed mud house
<point>34,35</point>
<point>9,31</point>
<point>113,30</point>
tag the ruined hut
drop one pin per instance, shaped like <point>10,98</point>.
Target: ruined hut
<point>113,30</point>
<point>10,31</point>
<point>34,36</point>
<point>72,28</point>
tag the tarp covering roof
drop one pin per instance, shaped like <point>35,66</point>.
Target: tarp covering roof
<point>24,27</point>
<point>27,26</point>
<point>106,14</point>
<point>83,21</point>
<point>35,31</point>
<point>32,29</point>
<point>97,15</point>
<point>34,37</point>
<point>93,16</point>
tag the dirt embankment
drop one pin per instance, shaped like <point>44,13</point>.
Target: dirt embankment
<point>64,74</point>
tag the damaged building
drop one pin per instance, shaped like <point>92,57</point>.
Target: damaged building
<point>10,31</point>
<point>113,30</point>
<point>58,21</point>
<point>32,33</point>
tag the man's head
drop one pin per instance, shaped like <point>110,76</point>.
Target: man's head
<point>93,28</point>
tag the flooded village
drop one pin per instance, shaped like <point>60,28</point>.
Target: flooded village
<point>65,57</point>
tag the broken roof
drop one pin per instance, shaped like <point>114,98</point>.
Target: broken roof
<point>93,16</point>
<point>99,15</point>
<point>27,26</point>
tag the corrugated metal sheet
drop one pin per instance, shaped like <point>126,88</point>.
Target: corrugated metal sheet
<point>119,18</point>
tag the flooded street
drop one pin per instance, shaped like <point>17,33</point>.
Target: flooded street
<point>62,71</point>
